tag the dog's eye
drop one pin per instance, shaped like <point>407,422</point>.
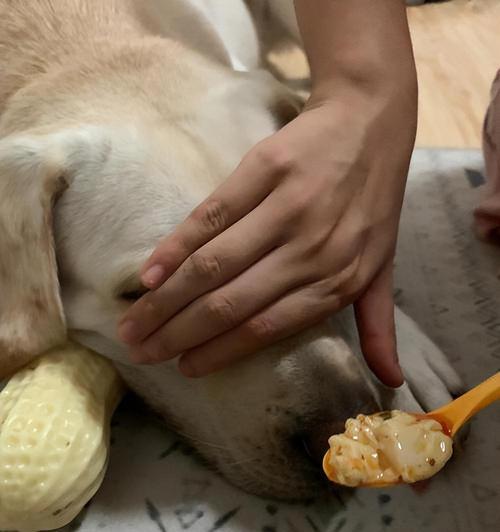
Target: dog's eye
<point>133,295</point>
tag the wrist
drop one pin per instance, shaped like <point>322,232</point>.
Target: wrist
<point>363,45</point>
<point>367,76</point>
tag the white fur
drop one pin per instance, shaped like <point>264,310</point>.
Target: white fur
<point>235,28</point>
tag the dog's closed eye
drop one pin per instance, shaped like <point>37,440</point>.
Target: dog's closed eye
<point>133,295</point>
<point>131,290</point>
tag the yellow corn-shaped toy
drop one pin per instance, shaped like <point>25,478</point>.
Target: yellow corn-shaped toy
<point>54,437</point>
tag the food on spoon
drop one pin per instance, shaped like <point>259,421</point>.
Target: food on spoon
<point>54,437</point>
<point>387,447</point>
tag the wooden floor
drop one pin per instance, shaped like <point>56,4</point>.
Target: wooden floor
<point>457,49</point>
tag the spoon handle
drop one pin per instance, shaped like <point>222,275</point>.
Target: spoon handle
<point>464,407</point>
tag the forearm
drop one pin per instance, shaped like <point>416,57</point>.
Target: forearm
<point>365,43</point>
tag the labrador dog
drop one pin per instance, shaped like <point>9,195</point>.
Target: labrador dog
<point>116,118</point>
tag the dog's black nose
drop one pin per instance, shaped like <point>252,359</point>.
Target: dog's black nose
<point>316,441</point>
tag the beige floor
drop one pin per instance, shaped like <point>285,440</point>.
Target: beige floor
<point>457,49</point>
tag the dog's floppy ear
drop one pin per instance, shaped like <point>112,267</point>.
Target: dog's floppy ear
<point>31,316</point>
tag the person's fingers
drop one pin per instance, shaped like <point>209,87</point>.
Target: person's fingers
<point>291,314</point>
<point>224,309</point>
<point>213,265</point>
<point>376,328</point>
<point>184,313</point>
<point>247,186</point>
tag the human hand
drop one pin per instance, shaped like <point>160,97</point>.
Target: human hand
<point>306,225</point>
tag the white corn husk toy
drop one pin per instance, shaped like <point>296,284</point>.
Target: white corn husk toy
<point>54,437</point>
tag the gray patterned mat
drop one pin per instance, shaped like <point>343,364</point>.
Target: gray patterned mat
<point>449,283</point>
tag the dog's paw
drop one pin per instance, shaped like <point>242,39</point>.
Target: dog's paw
<point>430,378</point>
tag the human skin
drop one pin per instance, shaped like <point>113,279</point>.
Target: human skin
<point>307,223</point>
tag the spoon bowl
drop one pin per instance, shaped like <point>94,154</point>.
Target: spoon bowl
<point>451,417</point>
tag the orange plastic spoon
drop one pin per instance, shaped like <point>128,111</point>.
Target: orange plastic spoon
<point>451,416</point>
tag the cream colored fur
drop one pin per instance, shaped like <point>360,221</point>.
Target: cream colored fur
<point>116,118</point>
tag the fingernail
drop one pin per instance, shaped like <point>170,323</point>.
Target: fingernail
<point>399,377</point>
<point>391,377</point>
<point>154,275</point>
<point>128,332</point>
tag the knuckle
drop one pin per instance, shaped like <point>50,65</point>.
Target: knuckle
<point>205,266</point>
<point>223,310</point>
<point>176,244</point>
<point>212,215</point>
<point>262,328</point>
<point>354,228</point>
<point>361,226</point>
<point>304,205</point>
<point>278,159</point>
<point>299,205</point>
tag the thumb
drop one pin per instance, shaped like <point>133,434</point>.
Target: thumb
<point>377,332</point>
